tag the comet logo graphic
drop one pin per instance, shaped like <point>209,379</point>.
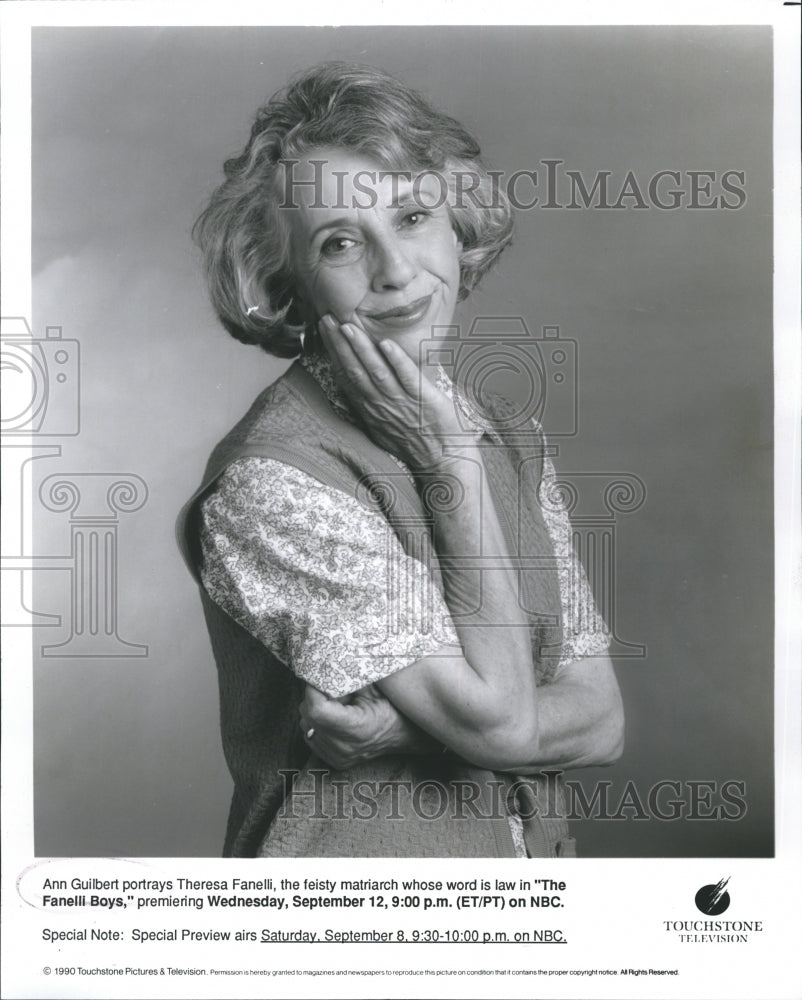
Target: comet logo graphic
<point>713,899</point>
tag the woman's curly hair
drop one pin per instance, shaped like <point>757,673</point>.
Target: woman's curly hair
<point>246,246</point>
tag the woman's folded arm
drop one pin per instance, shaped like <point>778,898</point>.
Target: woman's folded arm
<point>479,699</point>
<point>580,723</point>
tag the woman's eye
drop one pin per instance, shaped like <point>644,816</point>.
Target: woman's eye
<point>336,246</point>
<point>413,219</point>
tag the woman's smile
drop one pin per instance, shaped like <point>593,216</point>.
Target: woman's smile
<point>401,317</point>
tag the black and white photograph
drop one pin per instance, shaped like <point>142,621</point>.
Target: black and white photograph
<point>399,507</point>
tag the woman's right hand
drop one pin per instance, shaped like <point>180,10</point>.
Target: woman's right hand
<point>400,408</point>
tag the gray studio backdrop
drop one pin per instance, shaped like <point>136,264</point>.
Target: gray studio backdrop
<point>670,310</point>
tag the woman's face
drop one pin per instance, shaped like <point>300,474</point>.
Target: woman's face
<point>365,250</point>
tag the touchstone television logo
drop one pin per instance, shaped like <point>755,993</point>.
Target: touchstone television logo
<point>713,899</point>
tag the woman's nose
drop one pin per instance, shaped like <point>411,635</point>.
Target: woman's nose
<point>394,265</point>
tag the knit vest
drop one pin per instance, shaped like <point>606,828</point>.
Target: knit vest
<point>288,803</point>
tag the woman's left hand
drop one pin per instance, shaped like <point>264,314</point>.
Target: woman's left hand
<point>401,409</point>
<point>360,727</point>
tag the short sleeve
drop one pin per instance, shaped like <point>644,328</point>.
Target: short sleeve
<point>321,580</point>
<point>585,632</point>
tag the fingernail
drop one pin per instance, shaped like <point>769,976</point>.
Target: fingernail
<point>347,331</point>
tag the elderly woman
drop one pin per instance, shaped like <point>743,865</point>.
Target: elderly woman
<point>407,650</point>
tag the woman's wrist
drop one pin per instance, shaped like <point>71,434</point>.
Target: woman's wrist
<point>451,460</point>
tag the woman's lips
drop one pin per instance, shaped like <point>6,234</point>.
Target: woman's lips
<point>402,317</point>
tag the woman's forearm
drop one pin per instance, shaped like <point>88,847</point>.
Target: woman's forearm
<point>482,597</point>
<point>487,694</point>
